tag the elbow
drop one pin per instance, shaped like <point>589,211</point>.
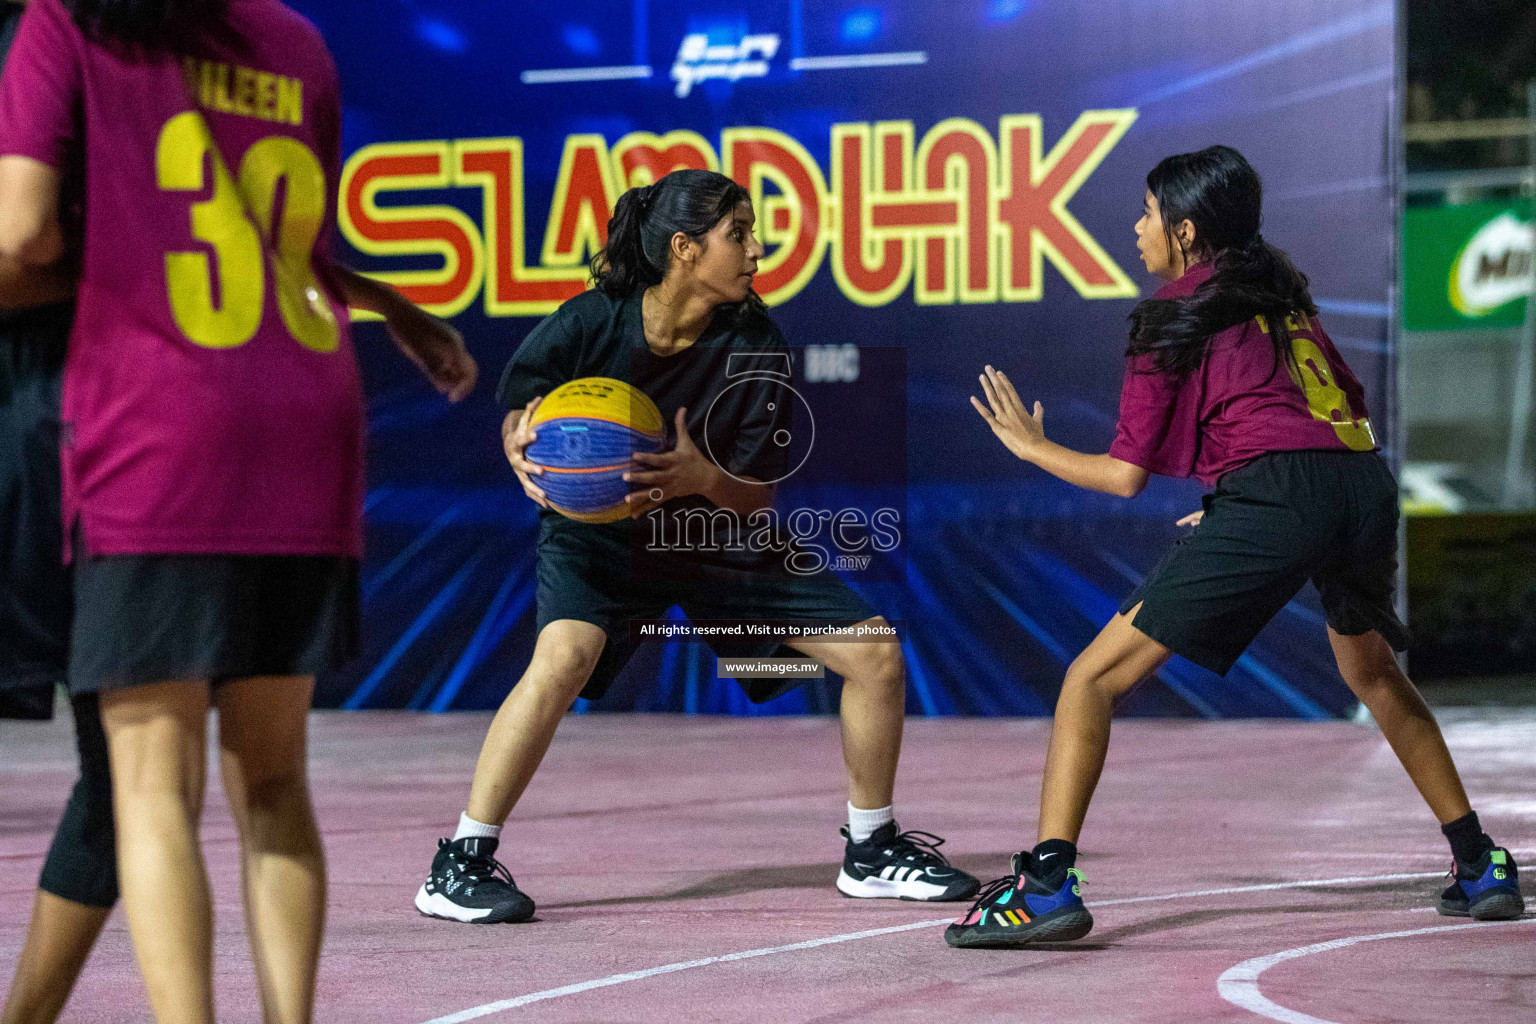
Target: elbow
<point>1129,485</point>
<point>24,240</point>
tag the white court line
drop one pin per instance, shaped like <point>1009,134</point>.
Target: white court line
<point>651,972</point>
<point>1240,985</point>
<point>619,979</point>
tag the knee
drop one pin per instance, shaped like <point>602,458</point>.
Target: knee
<point>879,665</point>
<point>1084,681</point>
<point>1377,679</point>
<point>561,671</point>
<point>136,775</point>
<point>276,791</point>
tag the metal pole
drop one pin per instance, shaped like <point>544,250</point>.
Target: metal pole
<point>1517,482</point>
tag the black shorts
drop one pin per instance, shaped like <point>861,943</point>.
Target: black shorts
<point>35,594</point>
<point>590,577</point>
<point>1269,527</point>
<point>151,618</point>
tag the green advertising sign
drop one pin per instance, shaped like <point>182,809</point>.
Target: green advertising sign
<point>1467,266</point>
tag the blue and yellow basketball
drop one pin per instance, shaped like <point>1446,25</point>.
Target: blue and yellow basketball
<point>588,429</point>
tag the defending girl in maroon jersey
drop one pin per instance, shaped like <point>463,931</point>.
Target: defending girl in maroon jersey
<point>1229,378</point>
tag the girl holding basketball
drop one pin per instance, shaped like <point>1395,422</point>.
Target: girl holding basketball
<point>1231,379</point>
<point>673,314</point>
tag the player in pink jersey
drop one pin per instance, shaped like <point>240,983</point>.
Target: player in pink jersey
<point>1231,379</point>
<point>212,457</point>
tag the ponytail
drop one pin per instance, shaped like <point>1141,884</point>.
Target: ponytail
<point>1221,195</point>
<point>622,267</point>
<point>646,219</point>
<point>146,24</point>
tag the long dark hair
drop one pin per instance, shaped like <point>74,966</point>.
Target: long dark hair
<point>639,248</point>
<point>146,24</point>
<point>1220,194</point>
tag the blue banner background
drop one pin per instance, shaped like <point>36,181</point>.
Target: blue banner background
<point>1008,573</point>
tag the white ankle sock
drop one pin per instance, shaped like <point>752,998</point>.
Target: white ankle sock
<point>862,824</point>
<point>469,828</point>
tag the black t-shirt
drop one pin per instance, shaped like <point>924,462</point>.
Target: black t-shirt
<point>10,20</point>
<point>732,381</point>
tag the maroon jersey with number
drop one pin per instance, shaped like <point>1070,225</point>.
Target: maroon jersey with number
<point>211,393</point>
<point>1238,405</point>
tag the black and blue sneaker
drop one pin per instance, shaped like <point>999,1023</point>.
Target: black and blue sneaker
<point>901,866</point>
<point>1488,890</point>
<point>1022,908</point>
<point>467,883</point>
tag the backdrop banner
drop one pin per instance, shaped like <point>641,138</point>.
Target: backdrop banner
<point>939,186</point>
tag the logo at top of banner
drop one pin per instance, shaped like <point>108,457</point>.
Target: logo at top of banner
<point>699,60</point>
<point>1494,268</point>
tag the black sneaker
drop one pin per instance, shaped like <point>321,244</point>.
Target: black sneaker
<point>1021,908</point>
<point>1488,890</point>
<point>469,884</point>
<point>905,866</point>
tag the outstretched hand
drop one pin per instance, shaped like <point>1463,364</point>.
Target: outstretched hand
<point>1193,519</point>
<point>1004,412</point>
<point>662,476</point>
<point>437,349</point>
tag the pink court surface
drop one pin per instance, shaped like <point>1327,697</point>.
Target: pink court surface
<point>1239,871</point>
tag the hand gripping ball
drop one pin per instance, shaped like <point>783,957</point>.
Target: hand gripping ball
<point>588,429</point>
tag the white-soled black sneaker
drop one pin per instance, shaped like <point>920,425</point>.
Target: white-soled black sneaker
<point>469,884</point>
<point>901,866</point>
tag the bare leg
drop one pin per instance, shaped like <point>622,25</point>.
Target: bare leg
<point>59,939</point>
<point>1119,657</point>
<point>873,710</point>
<point>1369,667</point>
<point>157,741</point>
<point>262,723</point>
<point>563,658</point>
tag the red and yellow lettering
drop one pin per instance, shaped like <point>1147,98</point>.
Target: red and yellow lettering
<point>1033,214</point>
<point>871,267</point>
<point>583,203</point>
<point>956,161</point>
<point>641,158</point>
<point>426,230</point>
<point>513,288</point>
<point>972,219</point>
<point>790,222</point>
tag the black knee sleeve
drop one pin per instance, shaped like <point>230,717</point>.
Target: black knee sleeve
<point>82,862</point>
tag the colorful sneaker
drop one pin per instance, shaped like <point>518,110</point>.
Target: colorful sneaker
<point>469,884</point>
<point>1488,890</point>
<point>904,866</point>
<point>1019,909</point>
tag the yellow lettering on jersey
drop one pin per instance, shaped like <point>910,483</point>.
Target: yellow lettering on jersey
<point>245,92</point>
<point>266,96</point>
<point>290,100</point>
<point>232,89</point>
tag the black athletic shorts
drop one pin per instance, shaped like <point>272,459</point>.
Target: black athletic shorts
<point>82,862</point>
<point>593,578</point>
<point>1269,527</point>
<point>152,618</point>
<point>35,592</point>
